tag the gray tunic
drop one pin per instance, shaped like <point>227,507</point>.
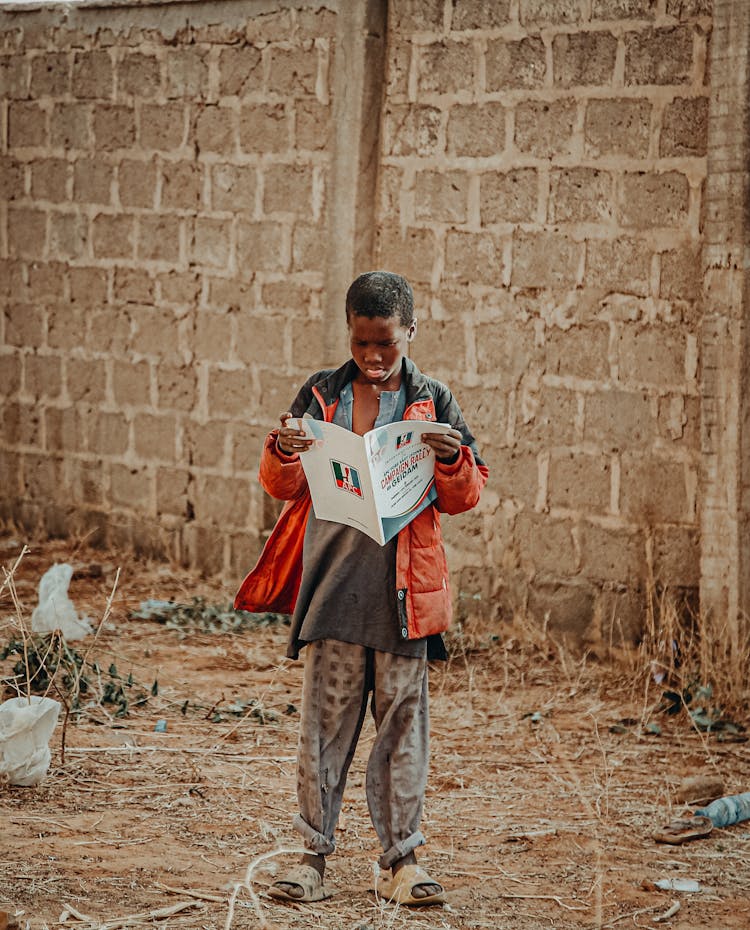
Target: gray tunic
<point>348,590</point>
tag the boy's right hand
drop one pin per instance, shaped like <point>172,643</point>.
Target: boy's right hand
<point>290,439</point>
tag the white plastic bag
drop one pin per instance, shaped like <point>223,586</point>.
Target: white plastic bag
<point>25,731</point>
<point>56,610</point>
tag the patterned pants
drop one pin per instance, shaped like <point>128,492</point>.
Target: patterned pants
<point>338,680</point>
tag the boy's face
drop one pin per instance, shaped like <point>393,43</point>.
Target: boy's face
<point>378,345</point>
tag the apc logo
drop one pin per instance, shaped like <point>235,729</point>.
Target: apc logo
<point>347,478</point>
<point>403,440</point>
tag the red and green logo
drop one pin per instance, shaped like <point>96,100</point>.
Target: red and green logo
<point>347,478</point>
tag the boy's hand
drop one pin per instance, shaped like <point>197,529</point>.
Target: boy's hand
<point>446,446</point>
<point>290,439</point>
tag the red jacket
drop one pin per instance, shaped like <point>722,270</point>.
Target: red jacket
<point>422,585</point>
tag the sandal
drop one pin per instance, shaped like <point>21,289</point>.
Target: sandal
<point>305,877</point>
<point>684,830</point>
<point>400,888</point>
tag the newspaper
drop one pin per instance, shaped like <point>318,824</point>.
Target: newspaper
<point>376,483</point>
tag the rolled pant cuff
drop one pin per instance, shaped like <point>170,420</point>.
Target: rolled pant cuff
<point>314,841</point>
<point>401,849</point>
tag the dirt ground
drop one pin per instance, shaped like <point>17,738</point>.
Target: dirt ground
<point>538,814</point>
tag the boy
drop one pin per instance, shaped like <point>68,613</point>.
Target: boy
<point>369,617</point>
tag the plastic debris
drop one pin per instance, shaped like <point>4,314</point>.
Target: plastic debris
<point>26,725</point>
<point>160,726</point>
<point>678,884</point>
<point>56,610</point>
<point>726,811</point>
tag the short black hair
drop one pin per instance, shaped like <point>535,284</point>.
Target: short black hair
<point>381,293</point>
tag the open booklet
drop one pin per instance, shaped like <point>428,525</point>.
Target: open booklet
<point>376,483</point>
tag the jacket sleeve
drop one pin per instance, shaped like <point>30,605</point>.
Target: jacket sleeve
<point>280,475</point>
<point>458,484</point>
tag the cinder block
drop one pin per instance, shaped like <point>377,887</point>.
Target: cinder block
<point>172,491</point>
<point>580,482</point>
<point>261,246</point>
<point>478,14</point>
<point>88,286</point>
<point>617,127</point>
<point>182,185</point>
<point>162,127</point>
<point>312,125</point>
<point>418,15</point>
<point>27,125</point>
<point>176,387</point>
<point>63,431</point>
<point>131,383</point>
<point>446,67</point>
<point>620,419</point>
<point>293,72</point>
<point>92,181</point>
<point>411,254</point>
<point>114,128</point>
<point>133,285</point>
<point>545,545</point>
<point>544,13</point>
<point>14,77</point>
<point>230,393</point>
<point>652,355</point>
<point>288,188</point>
<point>508,196</point>
<point>650,199</point>
<point>131,487</point>
<point>86,380</point>
<point>412,130</point>
<point>70,126</point>
<point>505,349</point>
<point>221,501</point>
<point>68,235</point>
<point>215,130</point>
<point>515,64</point>
<point>621,265</point>
<point>139,75</point>
<point>204,443</point>
<point>187,73</point>
<point>562,257</point>
<point>653,491</point>
<point>264,128</point>
<point>211,242</point>
<point>159,238</point>
<point>27,233</point>
<point>233,188</point>
<point>109,433</point>
<point>261,339</point>
<point>12,174</point>
<point>308,248</point>
<point>113,236</point>
<point>180,287</point>
<point>148,327</point>
<point>581,195</point>
<point>50,75</point>
<point>659,56</point>
<point>22,424</point>
<point>92,75</point>
<point>612,554</point>
<point>584,59</point>
<point>49,178</point>
<point>474,257</point>
<point>684,127</point>
<point>545,129</point>
<point>155,437</point>
<point>676,555</point>
<point>240,70</point>
<point>681,275</point>
<point>10,373</point>
<point>440,346</point>
<point>136,184</point>
<point>441,197</point>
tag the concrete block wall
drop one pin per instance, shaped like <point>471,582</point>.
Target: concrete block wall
<point>542,184</point>
<point>175,200</point>
<point>162,241</point>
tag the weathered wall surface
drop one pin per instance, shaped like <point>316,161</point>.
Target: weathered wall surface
<point>163,245</point>
<point>542,183</point>
<point>166,241</point>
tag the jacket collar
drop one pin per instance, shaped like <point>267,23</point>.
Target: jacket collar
<point>415,383</point>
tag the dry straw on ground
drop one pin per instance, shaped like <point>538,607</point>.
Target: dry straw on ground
<point>546,782</point>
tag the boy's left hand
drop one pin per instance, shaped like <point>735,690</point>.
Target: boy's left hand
<point>446,446</point>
